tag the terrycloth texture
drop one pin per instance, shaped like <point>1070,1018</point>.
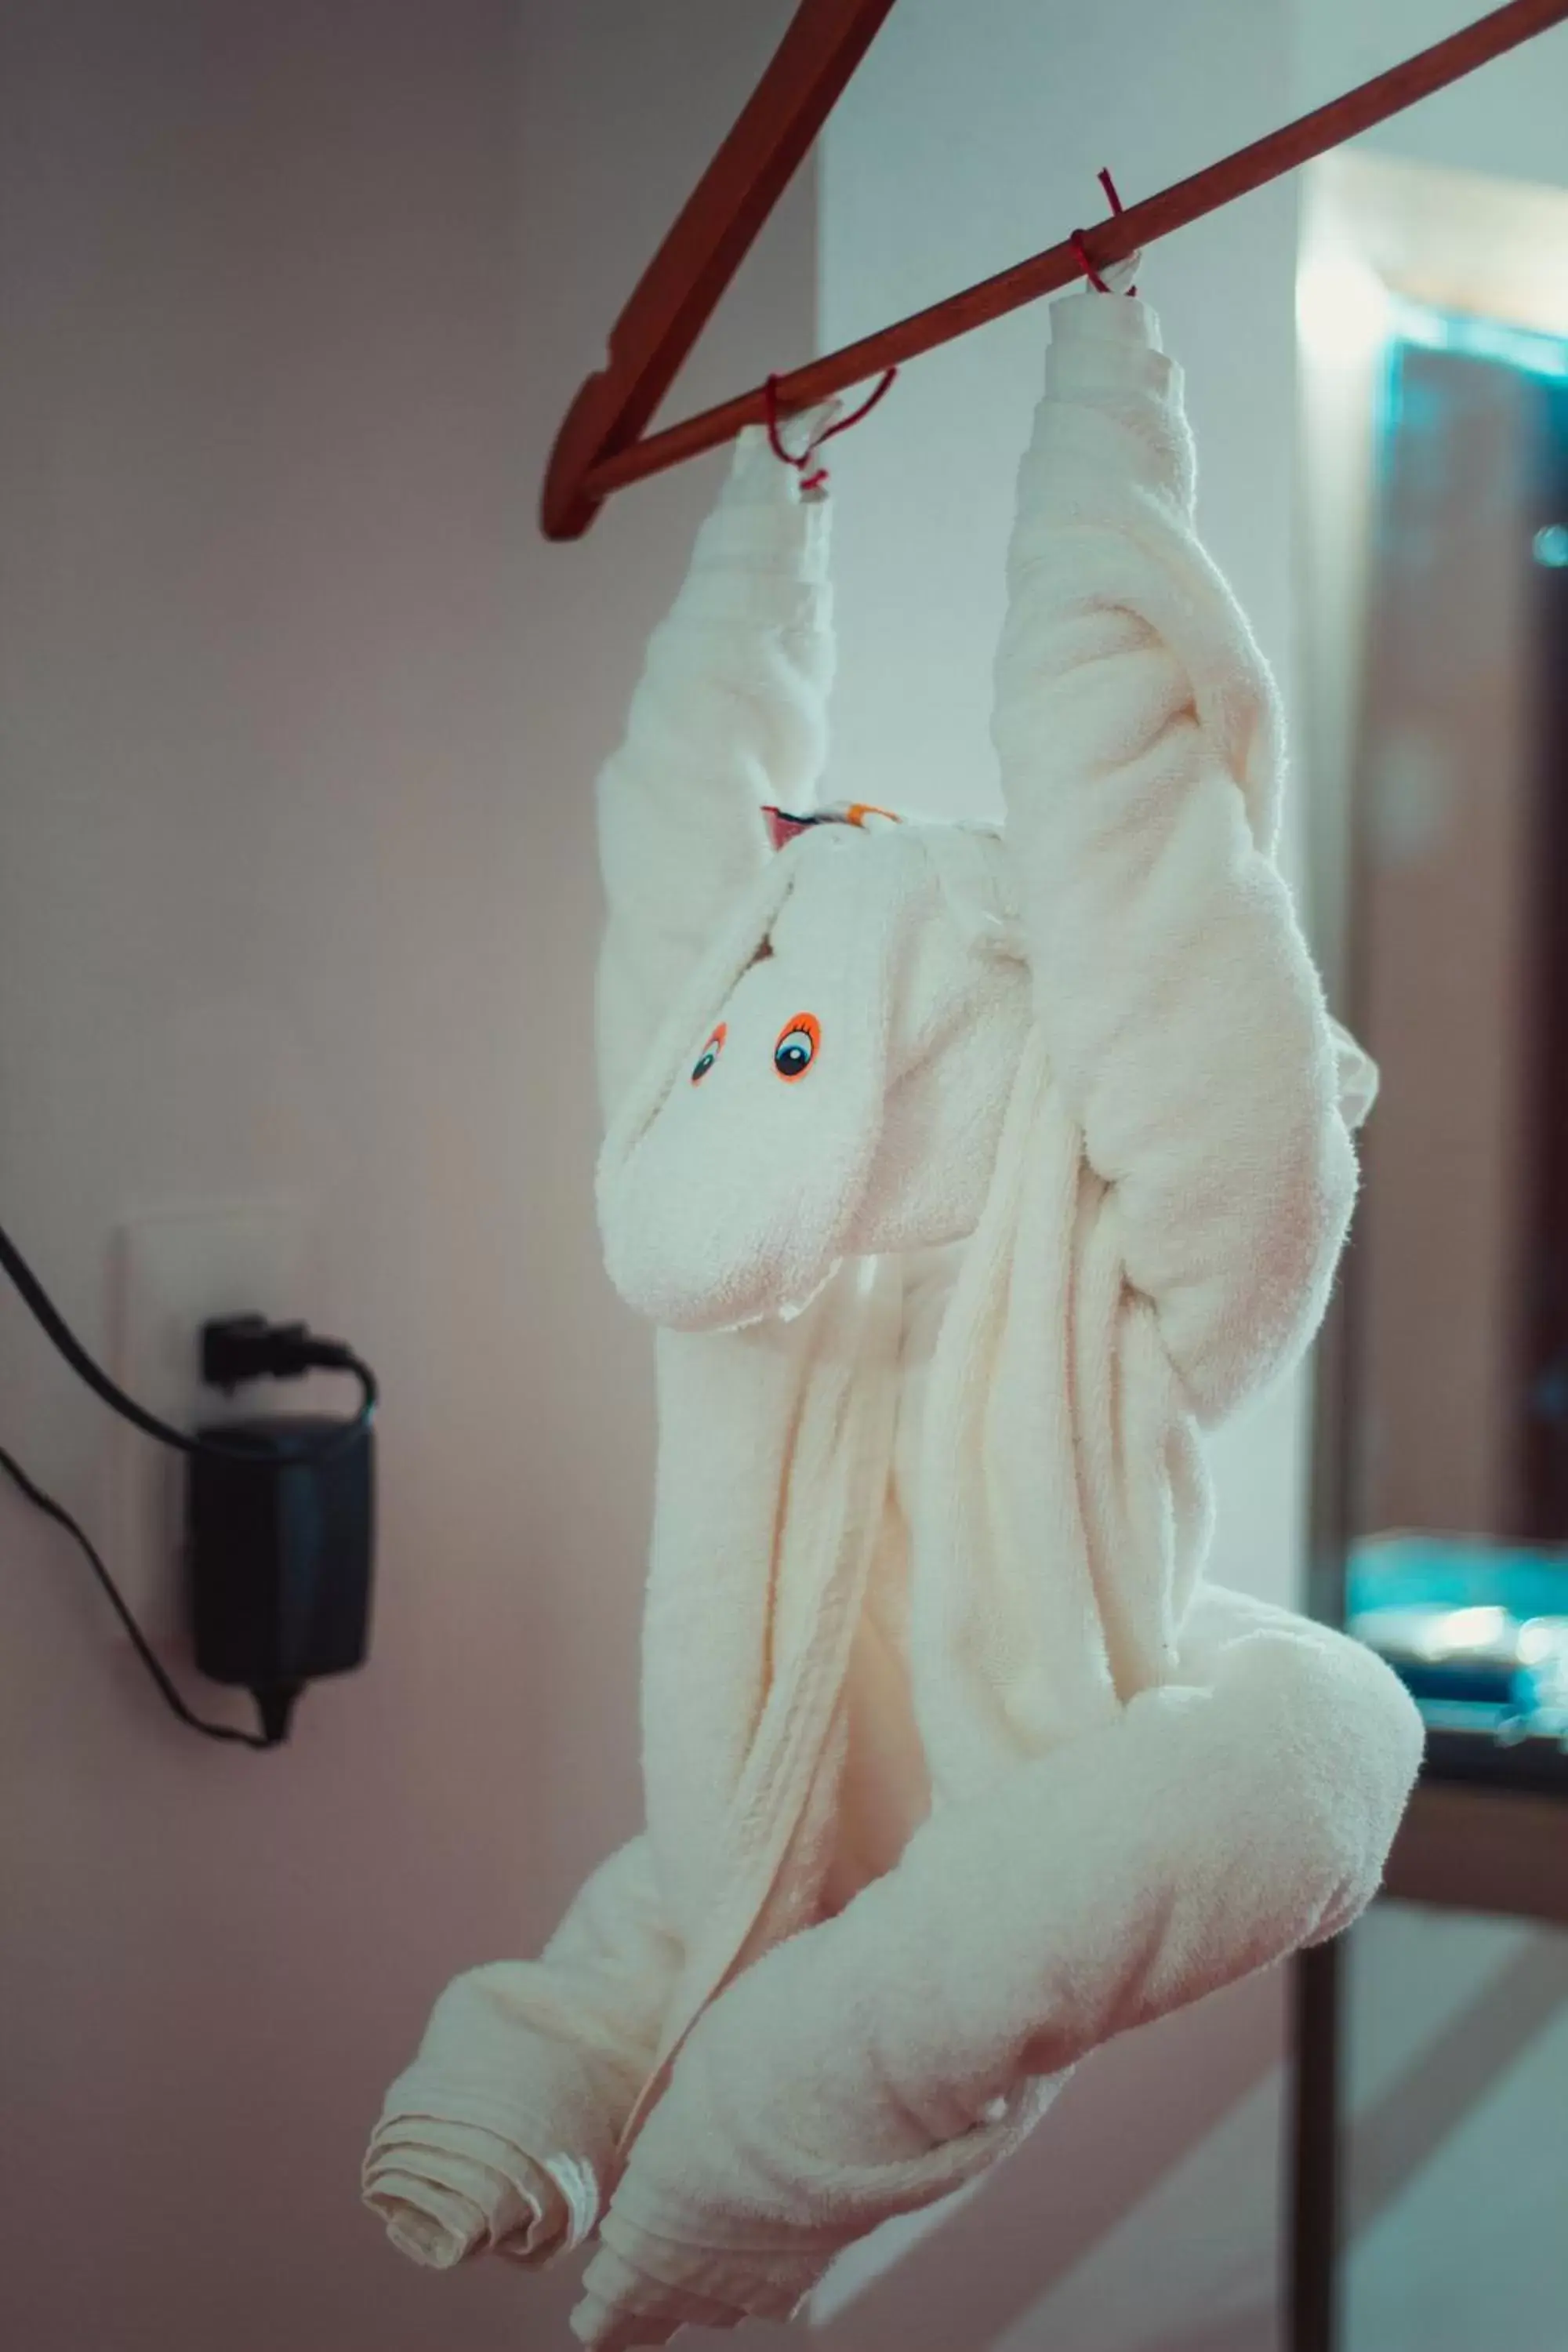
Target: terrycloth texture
<point>1176,1177</point>
<point>944,1303</point>
<point>730,714</point>
<point>734,1196</point>
<point>501,2132</point>
<point>873,2063</point>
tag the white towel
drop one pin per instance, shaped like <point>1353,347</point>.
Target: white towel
<point>1081,1068</point>
<point>874,2062</point>
<point>501,2134</point>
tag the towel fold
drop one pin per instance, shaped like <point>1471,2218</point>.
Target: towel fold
<point>873,2063</point>
<point>501,2136</point>
<point>446,2191</point>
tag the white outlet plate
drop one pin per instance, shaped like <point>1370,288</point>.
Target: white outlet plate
<point>175,1269</point>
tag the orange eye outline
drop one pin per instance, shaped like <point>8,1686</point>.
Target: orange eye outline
<point>802,1024</point>
<point>710,1054</point>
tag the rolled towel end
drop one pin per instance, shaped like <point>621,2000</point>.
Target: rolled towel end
<point>449,2191</point>
<point>424,2239</point>
<point>433,2228</point>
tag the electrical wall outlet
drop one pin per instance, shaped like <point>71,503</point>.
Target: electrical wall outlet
<point>175,1269</point>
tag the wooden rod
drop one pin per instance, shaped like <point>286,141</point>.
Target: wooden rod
<point>1111,240</point>
<point>676,294</point>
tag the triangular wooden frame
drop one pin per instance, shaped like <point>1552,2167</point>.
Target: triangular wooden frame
<point>599,449</point>
<point>679,290</point>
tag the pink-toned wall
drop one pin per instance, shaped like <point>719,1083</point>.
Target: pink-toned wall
<point>298,719</point>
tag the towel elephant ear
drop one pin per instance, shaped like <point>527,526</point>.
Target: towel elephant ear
<point>1357,1074</point>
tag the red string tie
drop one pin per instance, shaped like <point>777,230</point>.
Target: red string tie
<point>1077,239</point>
<point>817,479</point>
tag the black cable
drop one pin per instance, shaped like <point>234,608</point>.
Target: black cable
<point>330,1355</point>
<point>235,1349</point>
<point>59,1513</point>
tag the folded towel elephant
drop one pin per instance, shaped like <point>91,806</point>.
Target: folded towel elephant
<point>969,1175</point>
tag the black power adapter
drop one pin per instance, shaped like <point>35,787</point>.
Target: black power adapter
<point>278,1527</point>
<point>278,1518</point>
<point>279,1557</point>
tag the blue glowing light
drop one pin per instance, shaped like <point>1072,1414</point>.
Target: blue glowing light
<point>1480,338</point>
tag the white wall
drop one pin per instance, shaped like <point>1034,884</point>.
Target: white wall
<point>969,139</point>
<point>1507,118</point>
<point>298,718</point>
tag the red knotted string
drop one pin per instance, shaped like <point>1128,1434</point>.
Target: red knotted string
<point>817,479</point>
<point>1079,246</point>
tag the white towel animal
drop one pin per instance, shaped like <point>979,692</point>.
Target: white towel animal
<point>969,1175</point>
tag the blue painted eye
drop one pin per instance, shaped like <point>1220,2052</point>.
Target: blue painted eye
<point>710,1054</point>
<point>798,1046</point>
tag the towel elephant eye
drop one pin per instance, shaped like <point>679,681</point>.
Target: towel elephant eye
<point>797,1046</point>
<point>710,1054</point>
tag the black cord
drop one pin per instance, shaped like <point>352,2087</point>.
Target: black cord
<point>144,1650</point>
<point>241,1348</point>
<point>329,1355</point>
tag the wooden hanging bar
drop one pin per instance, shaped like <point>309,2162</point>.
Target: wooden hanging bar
<point>681,288</point>
<point>597,451</point>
